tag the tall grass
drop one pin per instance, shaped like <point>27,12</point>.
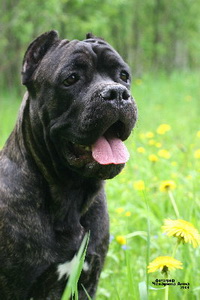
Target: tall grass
<point>137,215</point>
<point>71,289</point>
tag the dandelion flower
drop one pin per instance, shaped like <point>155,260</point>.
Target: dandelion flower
<point>138,81</point>
<point>149,135</point>
<point>152,142</point>
<point>188,98</point>
<point>163,128</point>
<point>198,134</point>
<point>167,185</point>
<point>141,150</point>
<point>153,157</point>
<point>128,214</point>
<point>197,153</point>
<point>139,185</point>
<point>164,153</point>
<point>121,239</point>
<point>158,145</point>
<point>164,264</point>
<point>183,230</point>
<point>119,210</point>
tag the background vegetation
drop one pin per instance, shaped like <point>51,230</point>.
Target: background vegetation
<point>150,35</point>
<point>160,40</point>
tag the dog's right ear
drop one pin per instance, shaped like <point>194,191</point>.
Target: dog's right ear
<point>35,52</point>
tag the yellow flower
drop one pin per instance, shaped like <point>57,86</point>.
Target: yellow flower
<point>182,229</point>
<point>153,157</point>
<point>164,264</point>
<point>141,150</point>
<point>138,81</point>
<point>189,177</point>
<point>128,214</point>
<point>121,239</point>
<point>174,163</point>
<point>188,98</point>
<point>197,153</point>
<point>163,128</point>
<point>164,153</point>
<point>139,185</point>
<point>152,142</point>
<point>198,133</point>
<point>149,135</point>
<point>158,145</point>
<point>167,185</point>
<point>119,210</point>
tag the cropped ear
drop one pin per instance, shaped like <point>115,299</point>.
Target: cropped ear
<point>35,52</point>
<point>90,35</point>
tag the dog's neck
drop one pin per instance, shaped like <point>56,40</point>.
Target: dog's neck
<point>70,203</point>
<point>65,187</point>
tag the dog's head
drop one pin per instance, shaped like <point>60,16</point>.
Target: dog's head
<point>81,103</point>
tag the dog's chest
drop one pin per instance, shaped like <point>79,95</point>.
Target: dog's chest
<point>50,279</point>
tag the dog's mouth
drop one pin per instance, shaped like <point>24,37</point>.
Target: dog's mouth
<point>108,149</point>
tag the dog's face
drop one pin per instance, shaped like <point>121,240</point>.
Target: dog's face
<point>83,102</point>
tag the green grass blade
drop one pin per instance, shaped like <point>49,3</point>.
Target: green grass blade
<point>143,291</point>
<point>86,292</point>
<point>130,275</point>
<point>71,288</point>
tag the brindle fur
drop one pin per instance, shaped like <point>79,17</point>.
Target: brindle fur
<point>46,203</point>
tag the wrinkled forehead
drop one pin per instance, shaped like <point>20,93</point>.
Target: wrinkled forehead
<point>91,49</point>
<point>103,50</point>
<point>88,52</point>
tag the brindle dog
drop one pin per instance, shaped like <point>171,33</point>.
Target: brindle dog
<point>68,138</point>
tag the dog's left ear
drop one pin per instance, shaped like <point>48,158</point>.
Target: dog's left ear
<point>35,52</point>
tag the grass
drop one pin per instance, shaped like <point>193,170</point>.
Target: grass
<point>72,284</point>
<point>136,216</point>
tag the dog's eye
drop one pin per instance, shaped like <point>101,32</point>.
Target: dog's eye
<point>124,76</point>
<point>73,78</point>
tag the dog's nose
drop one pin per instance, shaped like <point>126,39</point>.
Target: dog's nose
<point>117,92</point>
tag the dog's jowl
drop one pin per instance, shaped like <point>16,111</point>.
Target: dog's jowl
<point>68,138</point>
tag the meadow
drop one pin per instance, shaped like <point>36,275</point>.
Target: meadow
<point>160,181</point>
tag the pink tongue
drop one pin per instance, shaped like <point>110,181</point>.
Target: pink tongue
<point>110,151</point>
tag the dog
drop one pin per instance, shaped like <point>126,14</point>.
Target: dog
<point>67,140</point>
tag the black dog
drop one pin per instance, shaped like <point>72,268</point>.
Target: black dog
<point>67,140</point>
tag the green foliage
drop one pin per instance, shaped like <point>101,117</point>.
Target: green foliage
<point>150,35</point>
<point>9,104</point>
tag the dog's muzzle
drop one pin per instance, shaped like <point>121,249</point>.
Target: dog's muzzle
<point>115,93</point>
<point>103,123</point>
